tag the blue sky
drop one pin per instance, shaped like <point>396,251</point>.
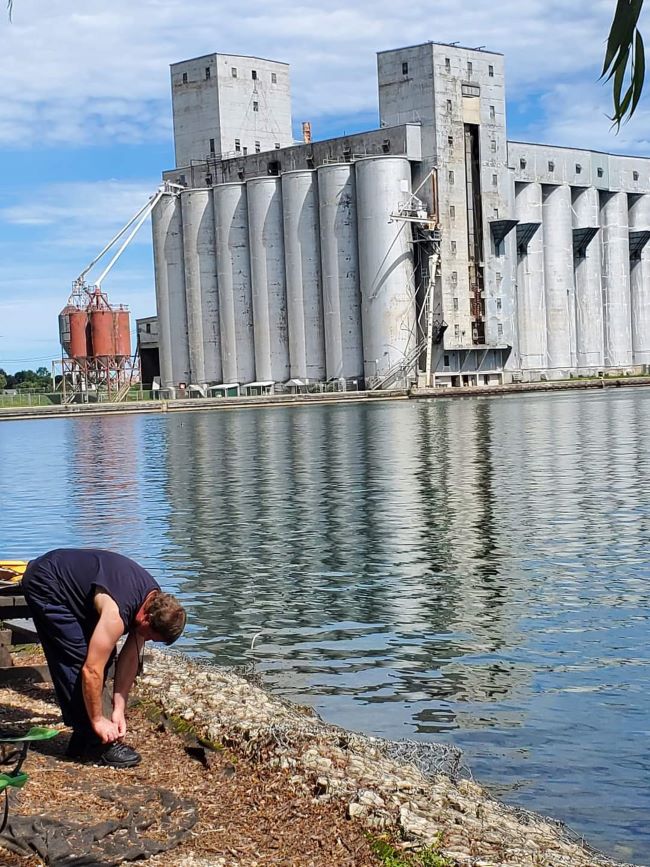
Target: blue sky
<point>85,118</point>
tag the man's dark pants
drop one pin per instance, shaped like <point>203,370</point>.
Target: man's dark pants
<point>65,645</point>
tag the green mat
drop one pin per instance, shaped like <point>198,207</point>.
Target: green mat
<point>16,778</point>
<point>17,781</point>
<point>36,733</point>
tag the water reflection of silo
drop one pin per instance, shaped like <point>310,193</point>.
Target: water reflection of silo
<point>103,480</point>
<point>353,535</point>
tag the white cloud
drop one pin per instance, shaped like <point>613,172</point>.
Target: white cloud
<point>49,234</point>
<point>102,73</point>
<point>81,214</point>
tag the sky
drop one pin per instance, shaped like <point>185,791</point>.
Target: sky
<point>85,113</point>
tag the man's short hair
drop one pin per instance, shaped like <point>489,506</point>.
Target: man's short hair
<point>167,617</point>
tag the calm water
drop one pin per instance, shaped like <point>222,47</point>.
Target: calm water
<point>474,571</point>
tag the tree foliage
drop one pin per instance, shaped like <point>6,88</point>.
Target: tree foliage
<point>624,60</point>
<point>26,379</point>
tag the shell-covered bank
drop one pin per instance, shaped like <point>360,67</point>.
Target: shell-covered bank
<point>234,777</point>
<point>394,788</point>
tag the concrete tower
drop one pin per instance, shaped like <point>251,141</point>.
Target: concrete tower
<point>225,104</point>
<point>458,95</point>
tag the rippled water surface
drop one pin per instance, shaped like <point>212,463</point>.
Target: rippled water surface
<point>475,571</point>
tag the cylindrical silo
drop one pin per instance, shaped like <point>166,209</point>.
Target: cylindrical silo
<point>268,279</point>
<point>102,331</point>
<point>201,286</point>
<point>640,282</point>
<point>80,342</point>
<point>531,300</point>
<point>167,227</point>
<point>385,265</point>
<point>558,277</point>
<point>616,279</point>
<point>234,283</point>
<point>340,271</point>
<point>122,329</point>
<point>302,262</point>
<point>589,294</point>
<point>64,329</point>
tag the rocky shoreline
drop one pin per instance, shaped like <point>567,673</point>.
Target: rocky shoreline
<point>416,796</point>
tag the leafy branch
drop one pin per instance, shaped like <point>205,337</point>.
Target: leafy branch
<point>625,60</point>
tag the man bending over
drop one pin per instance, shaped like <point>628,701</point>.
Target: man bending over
<point>82,601</point>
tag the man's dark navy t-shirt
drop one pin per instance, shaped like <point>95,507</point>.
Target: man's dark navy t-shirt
<point>74,575</point>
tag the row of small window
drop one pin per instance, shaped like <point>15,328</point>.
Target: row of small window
<point>457,336</point>
<point>233,72</point>
<point>600,171</point>
<point>493,111</point>
<point>451,177</point>
<point>244,151</point>
<point>493,144</point>
<point>254,76</point>
<point>470,68</point>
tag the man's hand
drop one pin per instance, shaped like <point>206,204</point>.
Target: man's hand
<point>120,721</point>
<point>106,730</point>
<point>102,642</point>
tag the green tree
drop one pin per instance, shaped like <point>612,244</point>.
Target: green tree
<point>3,380</point>
<point>25,379</point>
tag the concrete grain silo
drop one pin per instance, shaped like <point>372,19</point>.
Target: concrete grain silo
<point>616,279</point>
<point>558,277</point>
<point>385,264</point>
<point>340,271</point>
<point>588,286</point>
<point>268,279</point>
<point>639,216</point>
<point>234,283</point>
<point>303,273</point>
<point>531,306</point>
<point>167,225</point>
<point>201,286</point>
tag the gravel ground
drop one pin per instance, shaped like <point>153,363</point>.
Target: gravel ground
<point>248,815</point>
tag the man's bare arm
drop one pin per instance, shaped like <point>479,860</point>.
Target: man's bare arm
<point>103,640</point>
<point>125,673</point>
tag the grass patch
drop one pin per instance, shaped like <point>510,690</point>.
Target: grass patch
<point>179,726</point>
<point>391,857</point>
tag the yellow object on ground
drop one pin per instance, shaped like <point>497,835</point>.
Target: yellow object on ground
<point>12,570</point>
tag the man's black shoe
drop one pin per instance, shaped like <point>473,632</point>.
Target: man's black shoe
<point>115,755</point>
<point>118,755</point>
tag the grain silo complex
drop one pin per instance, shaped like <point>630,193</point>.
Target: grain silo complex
<point>430,251</point>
